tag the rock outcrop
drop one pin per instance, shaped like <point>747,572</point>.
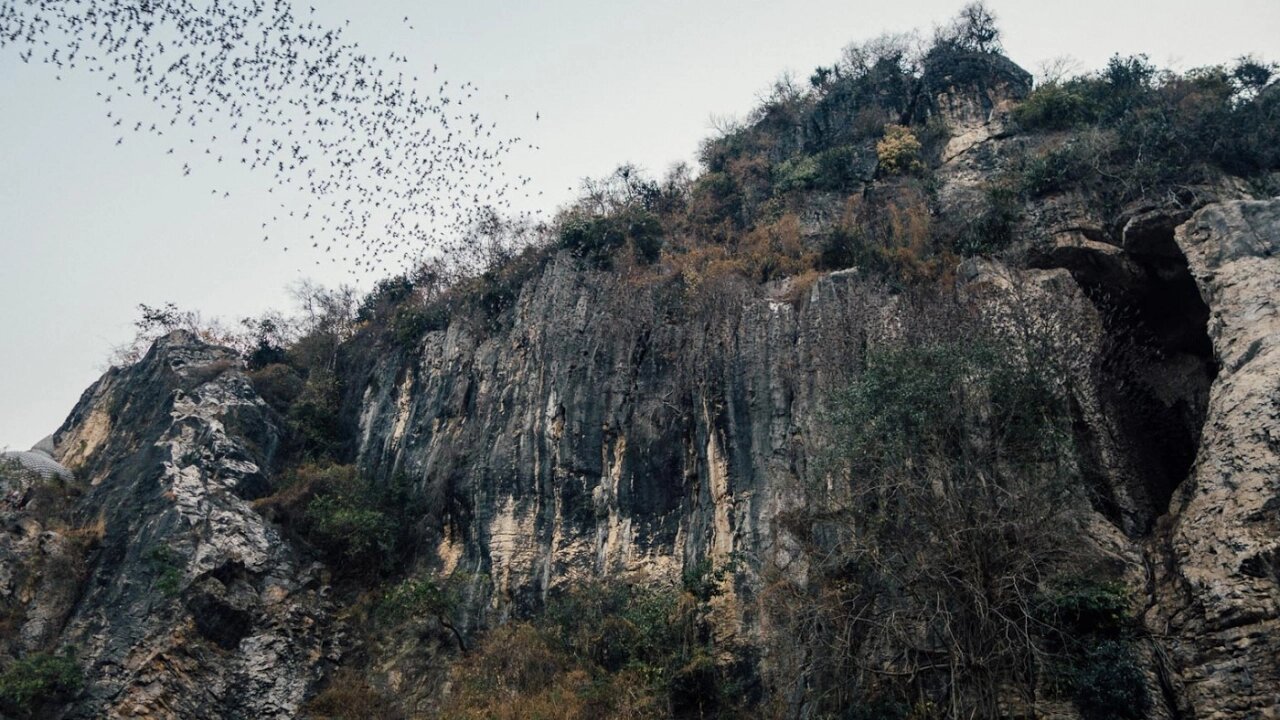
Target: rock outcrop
<point>594,435</point>
<point>610,426</point>
<point>194,606</point>
<point>1218,572</point>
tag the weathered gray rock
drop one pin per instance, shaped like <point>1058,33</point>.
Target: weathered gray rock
<point>193,606</point>
<point>1218,597</point>
<point>595,434</point>
<point>972,92</point>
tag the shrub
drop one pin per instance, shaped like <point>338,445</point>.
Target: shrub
<point>840,248</point>
<point>1168,130</point>
<point>892,235</point>
<point>1088,609</point>
<point>898,152</point>
<point>314,423</point>
<point>597,238</point>
<point>410,323</point>
<point>600,650</point>
<point>38,680</point>
<point>349,529</point>
<point>347,696</point>
<point>592,238</point>
<point>1059,169</point>
<point>167,567</point>
<point>278,384</point>
<point>947,500</point>
<point>359,526</point>
<point>702,580</point>
<point>416,598</point>
<point>991,228</point>
<point>835,169</point>
<point>715,206</point>
<point>386,296</point>
<point>1110,685</point>
<point>1053,106</point>
<point>797,173</point>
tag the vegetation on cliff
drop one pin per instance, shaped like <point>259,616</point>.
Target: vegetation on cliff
<point>943,574</point>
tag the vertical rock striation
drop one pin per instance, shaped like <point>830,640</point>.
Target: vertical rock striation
<point>194,605</point>
<point>1218,597</point>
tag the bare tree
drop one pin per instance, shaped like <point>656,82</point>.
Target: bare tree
<point>974,29</point>
<point>949,505</point>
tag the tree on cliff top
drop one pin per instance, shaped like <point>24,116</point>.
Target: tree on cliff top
<point>974,29</point>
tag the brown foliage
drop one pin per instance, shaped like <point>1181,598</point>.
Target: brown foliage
<point>898,151</point>
<point>350,697</point>
<point>289,501</point>
<point>519,673</point>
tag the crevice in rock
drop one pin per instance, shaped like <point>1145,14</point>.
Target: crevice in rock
<point>1156,369</point>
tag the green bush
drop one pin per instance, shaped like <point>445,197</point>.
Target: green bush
<point>841,248</point>
<point>834,169</point>
<point>349,528</point>
<point>596,238</point>
<point>1087,609</point>
<point>359,526</point>
<point>1166,130</point>
<point>1110,685</point>
<point>314,422</point>
<point>991,228</point>
<point>715,203</point>
<point>409,324</point>
<point>797,173</point>
<point>278,384</point>
<point>166,565</point>
<point>386,296</point>
<point>1057,170</point>
<point>38,680</point>
<point>599,649</point>
<point>702,580</point>
<point>645,233</point>
<point>1054,106</point>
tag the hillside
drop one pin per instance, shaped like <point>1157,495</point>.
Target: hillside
<point>930,394</point>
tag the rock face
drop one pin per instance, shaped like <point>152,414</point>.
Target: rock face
<point>194,606</point>
<point>972,93</point>
<point>607,427</point>
<point>594,435</point>
<point>1219,551</point>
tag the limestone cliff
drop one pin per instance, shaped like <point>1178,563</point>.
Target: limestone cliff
<point>193,606</point>
<point>610,427</point>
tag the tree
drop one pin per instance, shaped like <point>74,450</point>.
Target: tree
<point>974,29</point>
<point>949,504</point>
<point>156,322</point>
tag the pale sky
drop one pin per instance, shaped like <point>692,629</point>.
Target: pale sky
<point>89,229</point>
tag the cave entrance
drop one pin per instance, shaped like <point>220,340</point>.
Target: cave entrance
<point>1156,370</point>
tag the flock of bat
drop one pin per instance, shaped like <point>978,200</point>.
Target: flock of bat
<point>391,161</point>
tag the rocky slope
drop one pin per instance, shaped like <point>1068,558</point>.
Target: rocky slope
<point>193,606</point>
<point>598,434</point>
<point>1218,550</point>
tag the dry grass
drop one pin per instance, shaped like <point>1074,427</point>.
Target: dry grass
<point>299,486</point>
<point>518,673</point>
<point>350,696</point>
<point>771,251</point>
<point>89,535</point>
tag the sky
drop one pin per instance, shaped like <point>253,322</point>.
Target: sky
<point>90,228</point>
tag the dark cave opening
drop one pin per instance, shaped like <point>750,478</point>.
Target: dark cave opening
<point>1154,374</point>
